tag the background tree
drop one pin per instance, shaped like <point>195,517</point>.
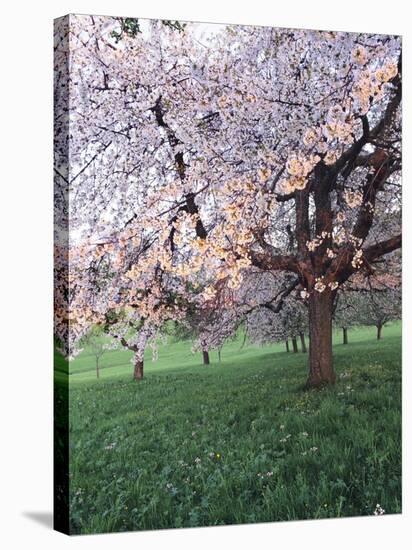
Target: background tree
<point>97,343</point>
<point>346,314</point>
<point>378,307</point>
<point>289,323</point>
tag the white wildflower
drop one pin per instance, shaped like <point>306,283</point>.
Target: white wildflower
<point>379,511</point>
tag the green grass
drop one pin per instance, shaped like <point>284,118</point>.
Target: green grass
<point>235,442</point>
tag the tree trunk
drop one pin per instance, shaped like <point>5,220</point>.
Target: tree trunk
<point>287,345</point>
<point>295,345</point>
<point>345,335</point>
<point>219,354</point>
<point>97,368</point>
<point>138,369</point>
<point>206,360</point>
<point>320,339</point>
<point>302,341</point>
<point>379,332</point>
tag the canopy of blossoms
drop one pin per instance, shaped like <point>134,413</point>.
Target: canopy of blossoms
<point>187,160</point>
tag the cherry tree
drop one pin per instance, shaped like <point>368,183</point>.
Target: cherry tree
<point>378,308</point>
<point>289,321</point>
<point>245,149</point>
<point>98,344</point>
<point>219,313</point>
<point>116,284</point>
<point>304,184</point>
<point>199,326</point>
<point>134,335</point>
<point>352,306</point>
<point>346,314</point>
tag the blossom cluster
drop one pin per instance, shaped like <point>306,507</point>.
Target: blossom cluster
<point>357,260</point>
<point>353,198</point>
<point>317,241</point>
<point>298,167</point>
<point>320,285</point>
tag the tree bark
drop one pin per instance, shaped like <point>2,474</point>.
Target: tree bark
<point>206,359</point>
<point>320,339</point>
<point>345,335</point>
<point>97,368</point>
<point>287,346</point>
<point>302,341</point>
<point>138,369</point>
<point>295,345</point>
<point>379,331</point>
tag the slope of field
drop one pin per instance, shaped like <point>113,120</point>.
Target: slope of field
<point>237,441</point>
<point>117,363</point>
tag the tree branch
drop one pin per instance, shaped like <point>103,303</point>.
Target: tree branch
<point>275,262</point>
<point>384,247</point>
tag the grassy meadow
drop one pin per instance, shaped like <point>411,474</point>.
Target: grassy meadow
<point>235,442</point>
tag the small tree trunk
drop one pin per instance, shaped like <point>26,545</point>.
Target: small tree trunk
<point>379,331</point>
<point>206,359</point>
<point>302,341</point>
<point>320,339</point>
<point>97,368</point>
<point>219,354</point>
<point>345,335</point>
<point>244,340</point>
<point>287,346</point>
<point>138,369</point>
<point>295,345</point>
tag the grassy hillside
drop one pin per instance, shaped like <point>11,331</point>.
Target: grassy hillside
<point>117,363</point>
<point>235,442</point>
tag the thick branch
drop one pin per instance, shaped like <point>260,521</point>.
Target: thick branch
<point>302,230</point>
<point>281,297</point>
<point>345,268</point>
<point>190,206</point>
<point>275,262</point>
<point>384,247</point>
<point>373,184</point>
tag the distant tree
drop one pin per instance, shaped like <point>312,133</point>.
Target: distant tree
<point>290,323</point>
<point>98,343</point>
<point>134,335</point>
<point>214,328</point>
<point>295,317</point>
<point>346,314</point>
<point>378,308</point>
<point>192,328</point>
